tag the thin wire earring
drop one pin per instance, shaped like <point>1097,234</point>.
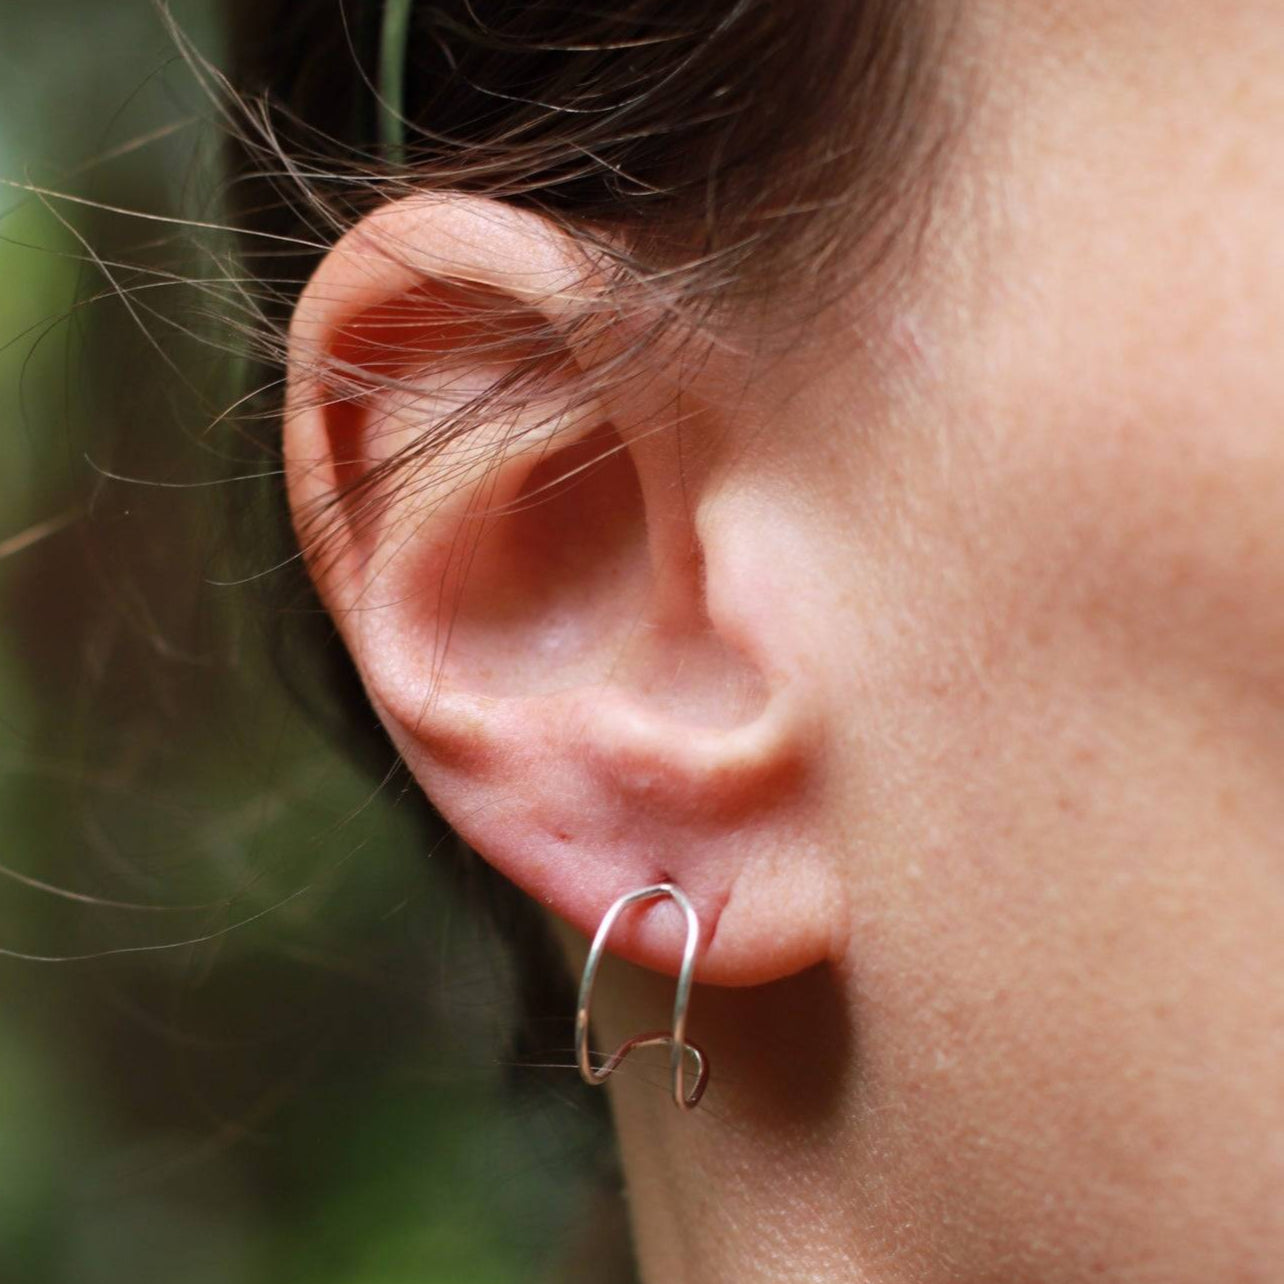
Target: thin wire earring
<point>676,1038</point>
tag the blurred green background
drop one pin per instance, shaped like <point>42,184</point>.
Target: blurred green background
<point>269,1041</point>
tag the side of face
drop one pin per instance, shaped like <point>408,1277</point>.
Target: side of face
<point>944,654</point>
<point>1050,554</point>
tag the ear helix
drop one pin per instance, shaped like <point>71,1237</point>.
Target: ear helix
<point>676,1038</point>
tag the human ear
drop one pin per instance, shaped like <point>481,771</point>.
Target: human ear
<point>546,583</point>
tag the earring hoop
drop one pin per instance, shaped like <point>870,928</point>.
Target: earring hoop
<point>676,1038</point>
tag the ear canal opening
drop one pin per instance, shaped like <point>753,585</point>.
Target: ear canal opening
<point>559,588</point>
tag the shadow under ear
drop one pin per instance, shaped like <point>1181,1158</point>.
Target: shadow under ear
<point>784,1053</point>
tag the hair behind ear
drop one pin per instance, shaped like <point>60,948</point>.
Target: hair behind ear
<point>601,120</point>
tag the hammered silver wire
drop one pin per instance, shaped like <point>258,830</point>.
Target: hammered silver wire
<point>676,1038</point>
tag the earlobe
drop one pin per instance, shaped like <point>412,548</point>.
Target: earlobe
<point>524,583</point>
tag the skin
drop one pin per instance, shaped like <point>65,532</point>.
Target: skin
<point>941,660</point>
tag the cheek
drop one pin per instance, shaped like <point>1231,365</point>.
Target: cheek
<point>1051,569</point>
<point>1057,781</point>
<point>1111,389</point>
<point>1065,805</point>
<point>1058,602</point>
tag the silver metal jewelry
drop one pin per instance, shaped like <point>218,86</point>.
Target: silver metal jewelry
<point>676,1038</point>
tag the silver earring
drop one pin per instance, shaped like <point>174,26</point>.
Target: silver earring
<point>676,1038</point>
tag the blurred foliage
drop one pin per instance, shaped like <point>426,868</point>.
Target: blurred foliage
<point>269,1041</point>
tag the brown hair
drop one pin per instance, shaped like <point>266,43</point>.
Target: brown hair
<point>734,145</point>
